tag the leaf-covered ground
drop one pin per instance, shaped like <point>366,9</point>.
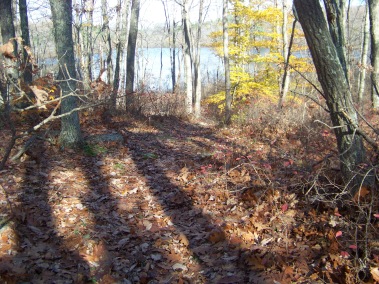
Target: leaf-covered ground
<point>180,202</point>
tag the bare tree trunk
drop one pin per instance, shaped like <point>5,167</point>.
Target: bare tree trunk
<point>77,39</point>
<point>89,8</point>
<point>196,63</point>
<point>374,32</point>
<point>171,30</point>
<point>336,15</point>
<point>124,26</point>
<point>187,58</point>
<point>116,79</point>
<point>70,135</point>
<point>27,72</point>
<point>7,33</point>
<point>286,51</point>
<point>173,57</point>
<point>130,61</point>
<point>228,95</point>
<point>364,52</point>
<point>107,39</point>
<point>332,76</point>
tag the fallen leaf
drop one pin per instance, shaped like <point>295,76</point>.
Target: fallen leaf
<point>345,254</point>
<point>216,236</point>
<point>361,193</point>
<point>183,239</point>
<point>375,273</point>
<point>338,234</point>
<point>284,207</point>
<point>179,266</point>
<point>147,224</point>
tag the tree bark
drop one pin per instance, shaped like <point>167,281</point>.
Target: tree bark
<point>187,59</point>
<point>107,39</point>
<point>196,63</point>
<point>364,52</point>
<point>225,34</point>
<point>131,56</point>
<point>336,15</point>
<point>70,135</point>
<point>7,33</point>
<point>374,32</point>
<point>332,77</point>
<point>27,72</point>
<point>116,78</point>
<point>90,6</point>
<point>286,51</point>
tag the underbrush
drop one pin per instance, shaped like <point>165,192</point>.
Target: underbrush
<point>294,151</point>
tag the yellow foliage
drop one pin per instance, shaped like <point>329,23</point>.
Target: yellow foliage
<point>255,51</point>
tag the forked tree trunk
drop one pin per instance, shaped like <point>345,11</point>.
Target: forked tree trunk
<point>332,77</point>
<point>286,50</point>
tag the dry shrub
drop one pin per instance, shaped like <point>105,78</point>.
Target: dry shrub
<point>160,104</point>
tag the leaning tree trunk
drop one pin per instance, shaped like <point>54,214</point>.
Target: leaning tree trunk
<point>70,135</point>
<point>374,32</point>
<point>335,11</point>
<point>131,56</point>
<point>332,77</point>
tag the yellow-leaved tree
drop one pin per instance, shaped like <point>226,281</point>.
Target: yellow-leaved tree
<point>255,52</point>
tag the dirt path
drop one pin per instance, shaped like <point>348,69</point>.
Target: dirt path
<point>173,203</point>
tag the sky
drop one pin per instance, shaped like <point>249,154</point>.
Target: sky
<point>152,11</point>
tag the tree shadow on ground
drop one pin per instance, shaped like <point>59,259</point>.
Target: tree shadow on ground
<point>40,254</point>
<point>118,243</point>
<point>219,261</point>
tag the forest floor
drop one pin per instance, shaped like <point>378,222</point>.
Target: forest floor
<point>182,202</point>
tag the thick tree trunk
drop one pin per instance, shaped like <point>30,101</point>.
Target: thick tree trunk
<point>332,77</point>
<point>336,15</point>
<point>27,71</point>
<point>7,33</point>
<point>70,135</point>
<point>131,56</point>
<point>228,95</point>
<point>374,32</point>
